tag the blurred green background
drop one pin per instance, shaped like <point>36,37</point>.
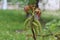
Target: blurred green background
<point>12,23</point>
<point>13,20</point>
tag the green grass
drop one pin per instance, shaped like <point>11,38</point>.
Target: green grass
<point>10,21</point>
<point>50,15</point>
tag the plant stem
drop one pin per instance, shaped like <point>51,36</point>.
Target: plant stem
<point>34,36</point>
<point>32,29</point>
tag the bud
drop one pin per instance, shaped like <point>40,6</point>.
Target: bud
<point>26,8</point>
